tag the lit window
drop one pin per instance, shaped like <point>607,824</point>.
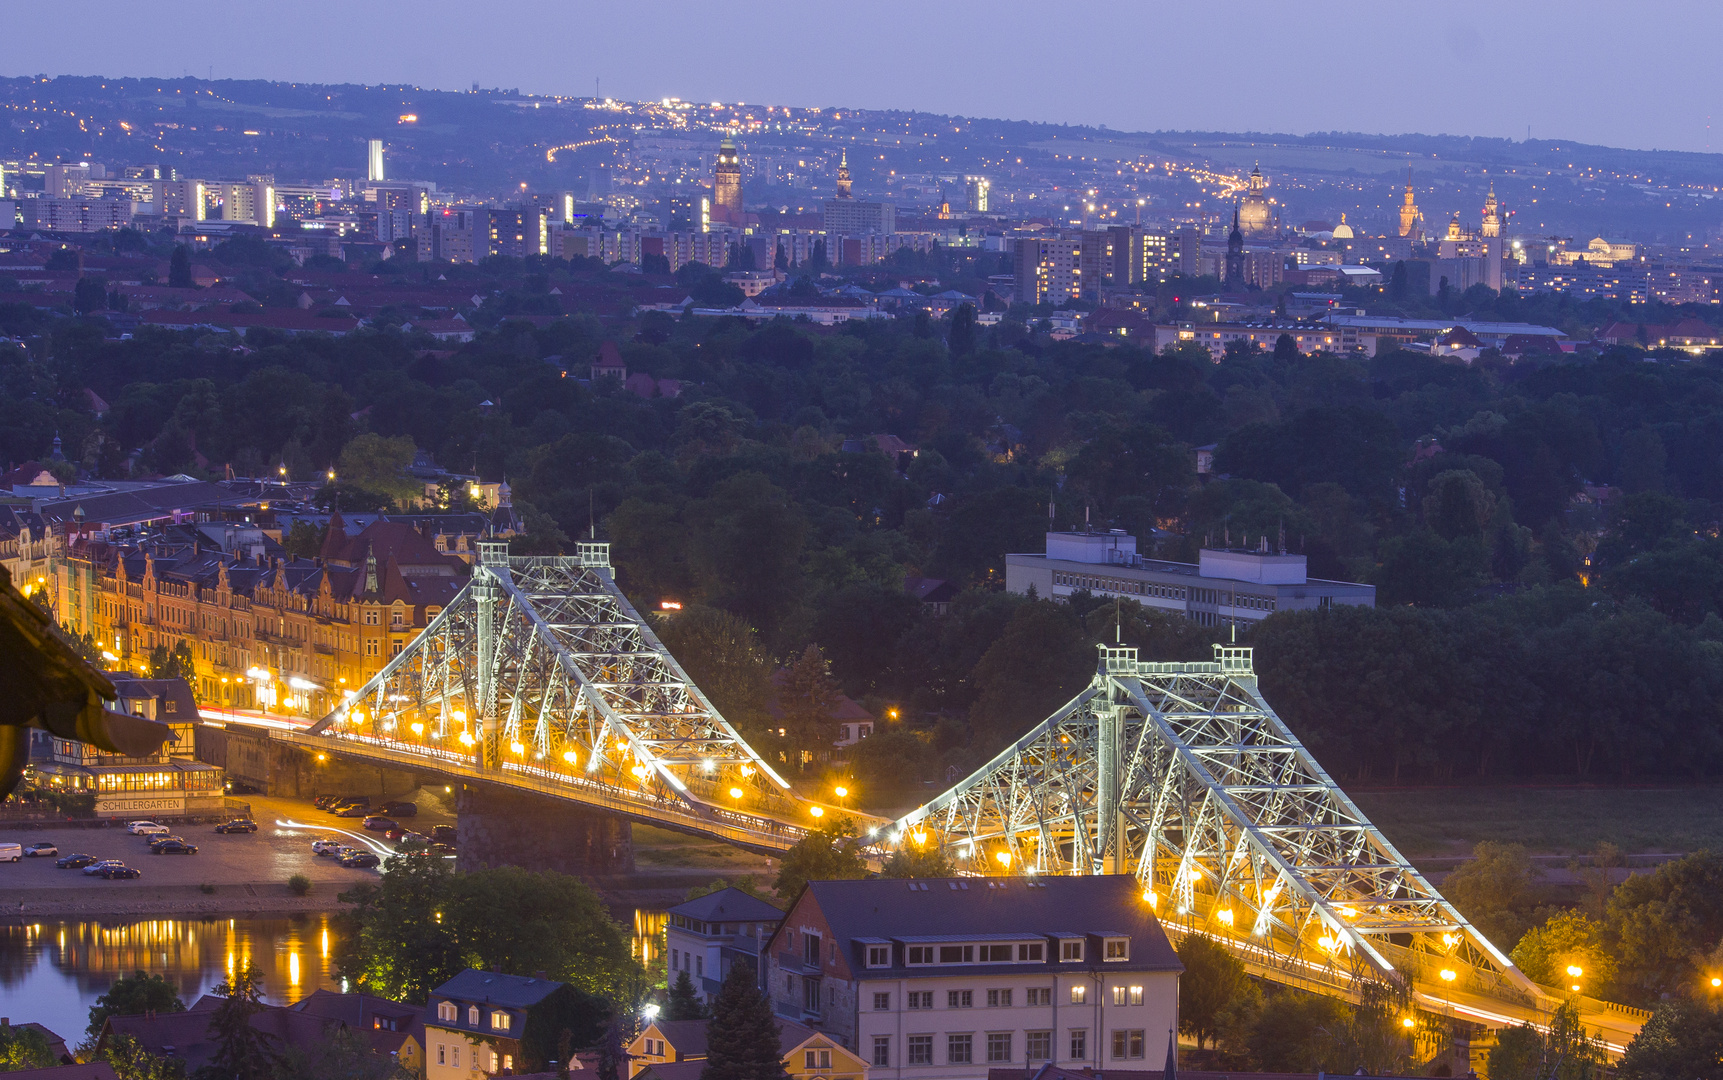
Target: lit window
<point>1078,993</point>
<point>499,1020</point>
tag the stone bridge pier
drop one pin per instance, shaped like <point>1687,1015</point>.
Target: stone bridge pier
<point>498,827</point>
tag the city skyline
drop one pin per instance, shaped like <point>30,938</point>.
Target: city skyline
<point>1485,71</point>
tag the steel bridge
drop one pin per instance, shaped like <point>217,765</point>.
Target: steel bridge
<point>542,677</point>
<point>1181,774</point>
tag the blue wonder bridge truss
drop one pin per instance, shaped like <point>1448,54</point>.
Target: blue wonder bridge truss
<point>541,676</point>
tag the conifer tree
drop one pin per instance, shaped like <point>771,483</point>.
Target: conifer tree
<point>742,1039</point>
<point>683,1003</point>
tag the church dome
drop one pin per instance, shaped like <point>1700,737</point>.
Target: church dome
<point>1343,231</point>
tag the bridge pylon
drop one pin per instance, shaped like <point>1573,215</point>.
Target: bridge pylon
<point>1181,774</point>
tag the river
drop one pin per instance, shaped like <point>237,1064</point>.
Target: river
<point>51,972</point>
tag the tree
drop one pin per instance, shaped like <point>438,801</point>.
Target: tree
<point>746,547</point>
<point>89,296</point>
<point>747,883</point>
<point>1661,922</point>
<point>1517,1055</point>
<point>174,663</point>
<point>179,269</point>
<point>807,697</point>
<point>1567,939</point>
<point>1565,1053</point>
<point>918,862</point>
<point>304,540</point>
<point>1289,1032</point>
<point>343,1054</point>
<point>1682,1039</point>
<point>961,340</point>
<point>133,995</point>
<point>1212,980</point>
<point>403,940</point>
<point>1035,666</point>
<point>242,1052</point>
<point>378,466</point>
<point>722,654</point>
<point>519,921</point>
<point>828,853</point>
<point>130,1061</point>
<point>24,1048</point>
<point>1496,890</point>
<point>742,1039</point>
<point>682,1003</point>
<point>1285,348</point>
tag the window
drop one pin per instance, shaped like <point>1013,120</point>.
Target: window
<point>921,999</point>
<point>1118,995</point>
<point>882,1051</point>
<point>920,1049</point>
<point>957,954</point>
<point>442,1054</point>
<point>675,959</point>
<point>370,618</point>
<point>882,1002</point>
<point>1029,953</point>
<point>1071,950</point>
<point>1038,995</point>
<point>997,999</point>
<point>1038,1045</point>
<point>446,1011</point>
<point>879,956</point>
<point>1079,1044</point>
<point>699,965</point>
<point>499,1020</point>
<point>817,1059</point>
<point>921,954</point>
<point>395,618</point>
<point>959,1049</point>
<point>1127,1045</point>
<point>1118,948</point>
<point>959,999</point>
<point>1136,995</point>
<point>508,1062</point>
<point>371,647</point>
<point>1078,993</point>
<point>996,954</point>
<point>811,950</point>
<point>999,1046</point>
<point>811,995</point>
<point>473,1015</point>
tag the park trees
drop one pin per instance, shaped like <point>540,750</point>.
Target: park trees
<point>131,995</point>
<point>1213,979</point>
<point>742,1038</point>
<point>827,853</point>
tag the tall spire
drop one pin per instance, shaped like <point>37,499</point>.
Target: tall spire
<point>844,174</point>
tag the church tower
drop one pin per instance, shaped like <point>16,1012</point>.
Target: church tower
<point>1254,215</point>
<point>1234,257</point>
<point>844,174</point>
<point>727,184</point>
<point>1409,216</point>
<point>1492,215</point>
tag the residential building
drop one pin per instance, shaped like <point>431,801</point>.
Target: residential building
<point>74,215</point>
<point>1227,586</point>
<point>1369,333</point>
<point>395,1030</point>
<point>478,1024</point>
<point>1217,336</point>
<point>185,1036</point>
<point>709,934</point>
<point>1049,271</point>
<point>518,231</point>
<point>951,977</point>
<point>179,198</point>
<point>676,1050</point>
<point>67,181</point>
<point>976,193</point>
<point>855,217</point>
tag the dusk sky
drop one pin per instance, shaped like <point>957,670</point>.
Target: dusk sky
<point>1638,75</point>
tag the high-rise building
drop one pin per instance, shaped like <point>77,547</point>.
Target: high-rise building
<point>843,174</point>
<point>65,181</point>
<point>374,165</point>
<point>850,217</point>
<point>180,198</point>
<point>727,184</point>
<point>518,231</point>
<point>1410,218</point>
<point>252,201</point>
<point>1048,271</point>
<point>975,193</point>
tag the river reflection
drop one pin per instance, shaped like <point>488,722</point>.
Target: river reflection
<point>53,971</point>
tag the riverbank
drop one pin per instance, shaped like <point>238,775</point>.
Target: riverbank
<point>232,900</point>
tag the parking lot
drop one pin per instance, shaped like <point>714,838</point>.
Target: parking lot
<point>279,849</point>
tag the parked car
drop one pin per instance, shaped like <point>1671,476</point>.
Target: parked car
<point>158,841</point>
<point>101,864</point>
<point>245,825</point>
<point>326,846</point>
<point>324,802</point>
<point>39,849</point>
<point>361,860</point>
<point>11,852</point>
<point>359,810</point>
<point>348,800</point>
<point>409,838</point>
<point>442,849</point>
<point>119,870</point>
<point>443,834</point>
<point>379,823</point>
<point>175,846</point>
<point>145,828</point>
<point>75,861</point>
<point>401,809</point>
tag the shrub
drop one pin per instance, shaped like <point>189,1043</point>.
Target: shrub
<point>298,884</point>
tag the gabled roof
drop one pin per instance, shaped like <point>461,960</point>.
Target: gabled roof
<point>495,988</point>
<point>728,905</point>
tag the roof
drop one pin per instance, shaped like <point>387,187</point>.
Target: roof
<point>958,907</point>
<point>1050,1071</point>
<point>360,1013</point>
<point>495,988</point>
<point>686,1037</point>
<point>728,905</point>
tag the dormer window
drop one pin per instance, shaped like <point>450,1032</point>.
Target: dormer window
<point>499,1020</point>
<point>448,1012</point>
<point>473,1015</point>
<point>1118,949</point>
<point>920,954</point>
<point>1071,951</point>
<point>879,956</point>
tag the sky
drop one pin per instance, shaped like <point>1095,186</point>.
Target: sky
<point>1630,74</point>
